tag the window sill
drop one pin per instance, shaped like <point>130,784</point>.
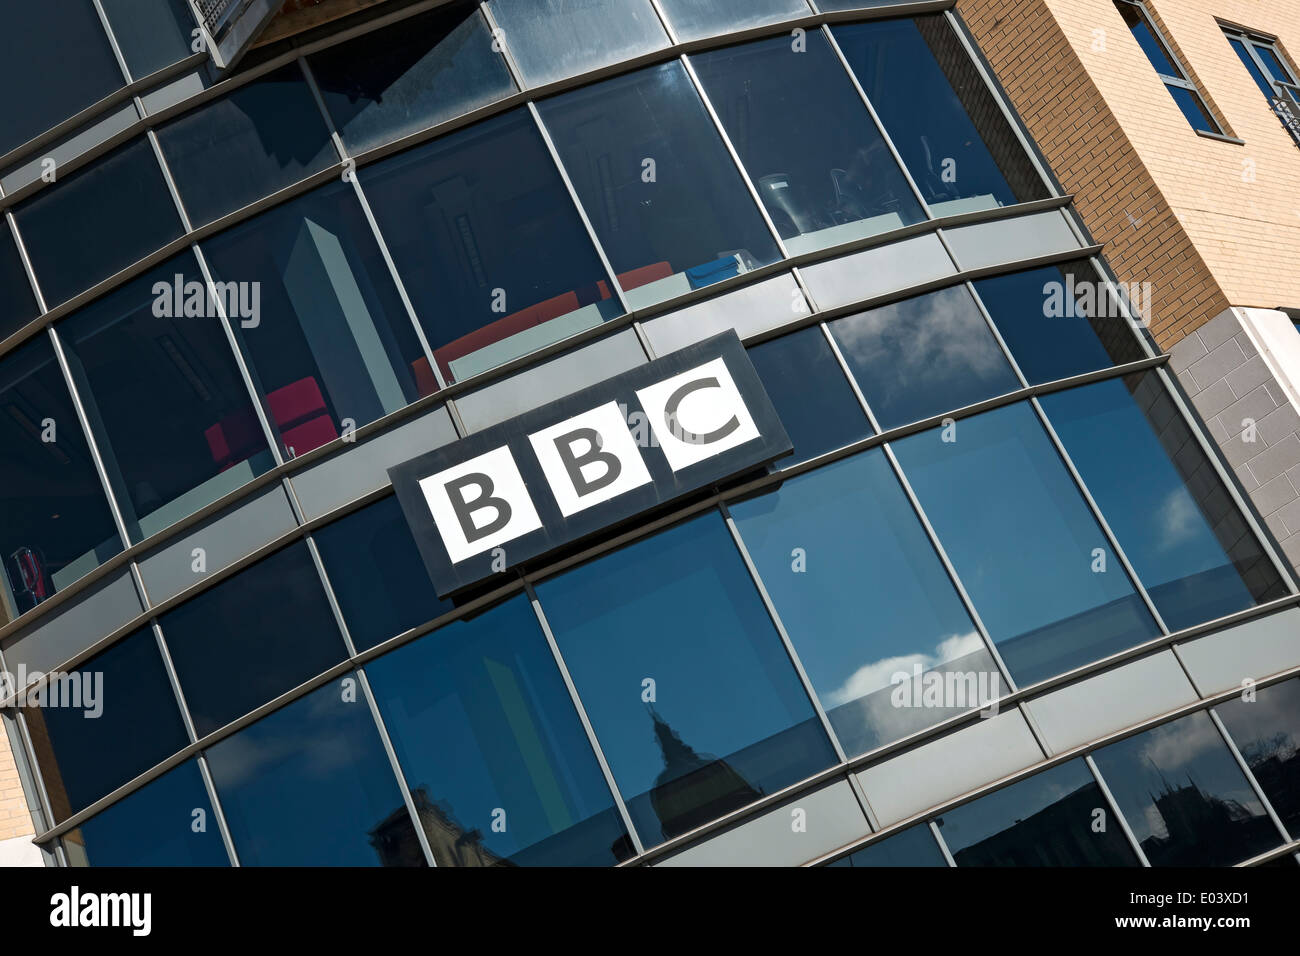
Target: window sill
<point>1221,137</point>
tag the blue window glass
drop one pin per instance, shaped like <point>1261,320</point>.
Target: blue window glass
<point>316,312</point>
<point>813,398</point>
<point>695,702</point>
<point>922,356</point>
<point>1267,732</point>
<point>663,195</point>
<point>55,525</point>
<point>17,304</point>
<point>164,396</point>
<point>64,226</point>
<point>819,163</point>
<point>1256,74</point>
<point>377,574</point>
<point>37,41</point>
<point>843,538</point>
<point>552,39</point>
<point>103,723</point>
<point>169,822</point>
<point>415,74</point>
<point>1048,820</point>
<point>264,136</point>
<point>1189,100</point>
<point>310,785</point>
<point>489,246</point>
<point>1058,321</point>
<point>250,639</point>
<point>492,747</point>
<point>151,34</point>
<point>1173,516</point>
<point>914,846</point>
<point>926,90</point>
<point>1184,797</point>
<point>1035,562</point>
<point>693,19</point>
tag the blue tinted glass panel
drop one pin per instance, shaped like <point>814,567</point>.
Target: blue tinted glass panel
<point>377,574</point>
<point>489,246</point>
<point>64,225</point>
<point>1173,516</point>
<point>105,722</point>
<point>921,356</point>
<point>17,304</point>
<point>1059,321</point>
<point>1155,51</point>
<point>414,74</point>
<point>310,785</point>
<point>1193,107</point>
<point>664,196</point>
<point>164,397</point>
<point>819,163</point>
<point>1252,67</point>
<point>1267,732</point>
<point>55,525</point>
<point>1047,820</point>
<point>1024,543</point>
<point>915,846</point>
<point>814,400</point>
<point>250,639</point>
<point>317,314</point>
<point>692,19</point>
<point>843,538</point>
<point>264,136</point>
<point>926,90</point>
<point>486,734</point>
<point>552,39</point>
<point>151,34</point>
<point>37,44</point>
<point>167,823</point>
<point>723,719</point>
<point>1185,798</point>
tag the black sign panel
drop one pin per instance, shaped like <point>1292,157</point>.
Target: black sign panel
<point>600,456</point>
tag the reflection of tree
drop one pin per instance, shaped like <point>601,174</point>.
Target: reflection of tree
<point>1196,822</point>
<point>693,788</point>
<point>1275,762</point>
<point>395,840</point>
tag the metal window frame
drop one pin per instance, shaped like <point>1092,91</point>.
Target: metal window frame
<point>1183,79</point>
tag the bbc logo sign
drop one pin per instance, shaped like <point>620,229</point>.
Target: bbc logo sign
<point>588,462</point>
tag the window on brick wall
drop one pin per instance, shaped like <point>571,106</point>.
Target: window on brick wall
<point>1272,73</point>
<point>1171,72</point>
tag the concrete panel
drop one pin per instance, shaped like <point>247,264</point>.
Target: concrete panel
<point>872,272</point>
<point>1009,240</point>
<point>1252,650</point>
<point>75,626</point>
<point>765,305</point>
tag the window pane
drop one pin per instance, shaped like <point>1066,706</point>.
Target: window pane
<point>1267,732</point>
<point>1172,515</point>
<point>127,721</point>
<point>693,698</point>
<point>552,39</point>
<point>318,316</point>
<point>925,89</point>
<point>262,137</point>
<point>36,46</point>
<point>664,196</point>
<point>813,398</point>
<point>154,826</point>
<point>377,574</point>
<point>915,846</point>
<point>692,19</point>
<point>164,397</point>
<point>866,602</point>
<point>486,734</point>
<point>1274,64</point>
<point>1058,321</point>
<point>17,304</point>
<point>820,164</point>
<point>252,638</point>
<point>1252,67</point>
<point>1193,108</point>
<point>310,785</point>
<point>55,525</point>
<point>1047,820</point>
<point>921,356</point>
<point>63,226</point>
<point>489,246</point>
<point>1184,797</point>
<point>1024,543</point>
<point>1155,50</point>
<point>152,34</point>
<point>414,74</point>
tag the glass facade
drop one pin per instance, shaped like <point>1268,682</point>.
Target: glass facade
<point>320,704</point>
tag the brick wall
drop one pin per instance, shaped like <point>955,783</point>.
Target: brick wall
<point>15,820</point>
